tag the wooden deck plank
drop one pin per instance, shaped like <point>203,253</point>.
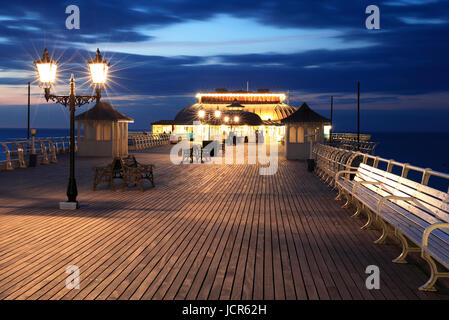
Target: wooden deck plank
<point>204,232</point>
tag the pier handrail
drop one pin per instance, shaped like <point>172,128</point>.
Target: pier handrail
<point>144,141</point>
<point>325,155</point>
<point>330,160</point>
<point>14,153</point>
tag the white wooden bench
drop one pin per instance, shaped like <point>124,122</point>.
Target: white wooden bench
<point>415,213</point>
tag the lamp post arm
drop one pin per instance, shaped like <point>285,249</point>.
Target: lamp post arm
<point>78,99</point>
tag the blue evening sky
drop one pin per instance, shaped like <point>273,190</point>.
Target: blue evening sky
<point>163,52</point>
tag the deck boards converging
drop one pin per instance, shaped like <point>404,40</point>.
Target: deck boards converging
<point>204,232</point>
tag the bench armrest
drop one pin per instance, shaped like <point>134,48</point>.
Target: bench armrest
<point>429,229</point>
<point>358,183</point>
<point>387,198</point>
<point>339,173</point>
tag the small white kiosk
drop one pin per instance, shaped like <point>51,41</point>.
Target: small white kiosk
<point>105,132</point>
<point>303,128</point>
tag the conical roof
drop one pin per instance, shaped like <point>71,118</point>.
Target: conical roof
<point>235,105</point>
<point>103,111</point>
<point>305,114</point>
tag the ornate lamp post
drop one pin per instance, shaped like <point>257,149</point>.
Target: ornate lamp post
<point>46,69</point>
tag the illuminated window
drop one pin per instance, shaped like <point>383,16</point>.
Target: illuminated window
<point>300,135</point>
<point>292,135</point>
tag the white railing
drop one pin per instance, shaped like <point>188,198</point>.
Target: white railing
<point>349,141</point>
<point>331,159</point>
<point>350,136</point>
<point>15,153</point>
<point>144,141</point>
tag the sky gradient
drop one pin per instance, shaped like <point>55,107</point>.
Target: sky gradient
<point>163,52</point>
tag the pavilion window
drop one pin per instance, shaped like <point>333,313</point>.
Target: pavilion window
<point>292,135</point>
<point>300,135</point>
<point>107,131</point>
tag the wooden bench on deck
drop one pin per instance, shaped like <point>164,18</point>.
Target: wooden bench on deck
<point>127,169</point>
<point>415,213</point>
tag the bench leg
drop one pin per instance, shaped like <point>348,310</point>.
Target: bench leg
<point>340,193</point>
<point>386,232</point>
<point>348,200</point>
<point>434,273</point>
<point>406,248</point>
<point>368,223</point>
<point>359,210</point>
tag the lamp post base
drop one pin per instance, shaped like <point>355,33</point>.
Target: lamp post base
<point>66,205</point>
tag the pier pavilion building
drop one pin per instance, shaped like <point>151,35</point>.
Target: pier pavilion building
<point>222,111</point>
<point>244,113</point>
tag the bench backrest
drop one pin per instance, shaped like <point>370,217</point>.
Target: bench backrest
<point>432,204</point>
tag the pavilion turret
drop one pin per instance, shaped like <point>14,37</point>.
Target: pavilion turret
<point>105,132</point>
<point>303,128</point>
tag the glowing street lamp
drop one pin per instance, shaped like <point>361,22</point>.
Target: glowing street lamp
<point>98,69</point>
<point>226,119</point>
<point>201,113</point>
<point>236,119</point>
<point>217,113</point>
<point>46,69</point>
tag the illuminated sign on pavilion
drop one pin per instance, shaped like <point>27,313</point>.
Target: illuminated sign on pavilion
<point>241,97</point>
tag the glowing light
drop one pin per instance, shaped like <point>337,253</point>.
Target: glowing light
<point>226,119</point>
<point>327,130</point>
<point>229,96</point>
<point>98,72</point>
<point>236,119</point>
<point>201,113</point>
<point>47,72</point>
<point>46,69</point>
<point>280,95</point>
<point>217,113</point>
<point>98,69</point>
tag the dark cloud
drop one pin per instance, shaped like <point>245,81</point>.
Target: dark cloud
<point>403,59</point>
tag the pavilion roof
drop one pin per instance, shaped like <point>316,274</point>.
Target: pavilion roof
<point>305,114</point>
<point>103,111</point>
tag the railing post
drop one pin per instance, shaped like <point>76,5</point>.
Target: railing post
<point>62,145</point>
<point>425,176</point>
<point>8,162</point>
<point>53,158</point>
<point>20,157</point>
<point>44,152</point>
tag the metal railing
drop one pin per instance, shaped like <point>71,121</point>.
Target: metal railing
<point>350,136</point>
<point>15,153</point>
<point>143,141</point>
<point>331,159</point>
<point>349,141</point>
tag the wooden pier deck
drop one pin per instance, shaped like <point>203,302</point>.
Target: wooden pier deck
<point>204,232</point>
